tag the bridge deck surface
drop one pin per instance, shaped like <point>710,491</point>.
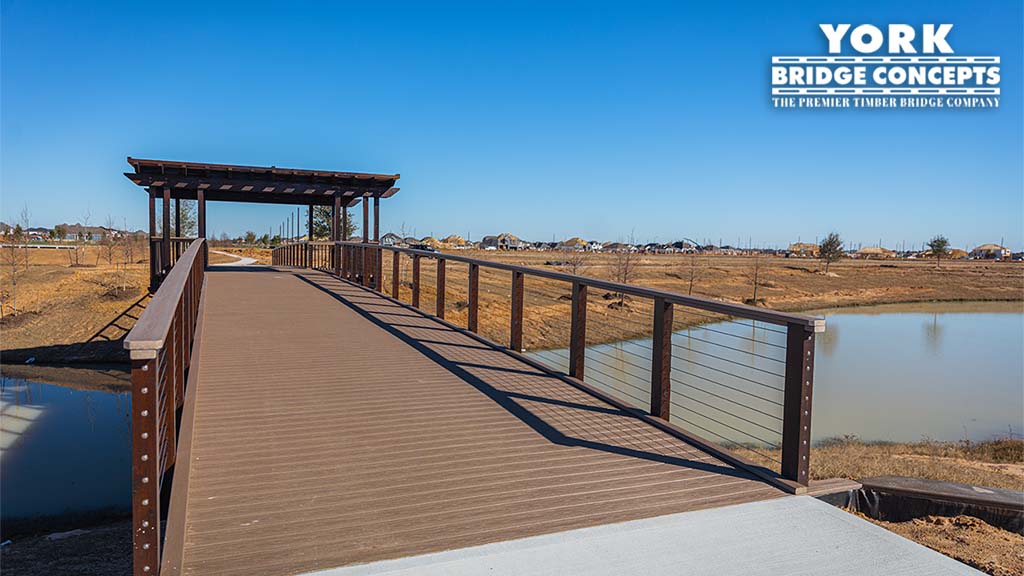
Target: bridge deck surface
<point>333,427</point>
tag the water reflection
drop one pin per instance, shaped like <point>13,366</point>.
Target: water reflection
<point>933,335</point>
<point>62,450</point>
<point>959,377</point>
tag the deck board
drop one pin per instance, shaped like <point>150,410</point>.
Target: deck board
<point>335,427</point>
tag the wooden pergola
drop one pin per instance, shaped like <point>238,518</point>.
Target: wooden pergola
<point>172,180</point>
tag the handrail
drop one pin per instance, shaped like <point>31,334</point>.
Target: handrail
<point>149,333</point>
<point>160,346</point>
<point>362,263</point>
<point>751,312</point>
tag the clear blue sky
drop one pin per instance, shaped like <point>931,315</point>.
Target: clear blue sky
<point>546,121</point>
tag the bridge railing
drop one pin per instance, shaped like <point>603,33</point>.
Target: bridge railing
<point>158,268</point>
<point>734,379</point>
<point>160,346</point>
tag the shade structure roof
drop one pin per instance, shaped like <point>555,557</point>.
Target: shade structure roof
<point>264,184</point>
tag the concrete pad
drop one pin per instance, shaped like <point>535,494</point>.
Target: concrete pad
<point>792,535</point>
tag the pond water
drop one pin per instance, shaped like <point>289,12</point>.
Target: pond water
<point>945,371</point>
<point>62,450</point>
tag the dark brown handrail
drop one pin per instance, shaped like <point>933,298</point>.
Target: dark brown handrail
<point>160,346</point>
<point>361,263</point>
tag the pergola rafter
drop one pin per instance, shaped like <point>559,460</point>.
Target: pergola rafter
<point>172,180</point>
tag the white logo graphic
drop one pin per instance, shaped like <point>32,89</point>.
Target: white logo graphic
<point>919,71</point>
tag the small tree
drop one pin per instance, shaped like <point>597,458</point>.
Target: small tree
<point>12,260</point>
<point>624,267</point>
<point>322,218</point>
<point>250,237</point>
<point>694,268</point>
<point>831,249</point>
<point>575,263</point>
<point>938,247</point>
<point>756,273</point>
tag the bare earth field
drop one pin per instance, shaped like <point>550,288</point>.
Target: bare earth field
<point>967,539</point>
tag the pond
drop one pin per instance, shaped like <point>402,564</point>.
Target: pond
<point>62,450</point>
<point>942,371</point>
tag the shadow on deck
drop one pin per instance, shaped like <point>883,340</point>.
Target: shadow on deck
<point>334,426</point>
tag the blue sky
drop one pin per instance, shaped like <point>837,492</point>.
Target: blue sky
<point>547,121</point>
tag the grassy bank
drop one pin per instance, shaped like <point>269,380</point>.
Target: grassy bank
<point>997,463</point>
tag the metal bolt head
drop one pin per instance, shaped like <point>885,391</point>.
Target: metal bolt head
<point>145,413</point>
<point>145,457</point>
<point>145,479</point>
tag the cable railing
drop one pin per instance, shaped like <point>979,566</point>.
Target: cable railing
<point>733,379</point>
<point>160,346</point>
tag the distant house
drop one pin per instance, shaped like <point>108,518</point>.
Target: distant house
<point>573,244</point>
<point>802,250</point>
<point>391,239</point>
<point>619,247</point>
<point>874,253</point>
<point>989,252</point>
<point>504,241</point>
<point>455,241</point>
<point>685,247</point>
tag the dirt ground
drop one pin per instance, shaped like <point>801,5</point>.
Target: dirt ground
<point>972,541</point>
<point>64,310</point>
<point>100,551</point>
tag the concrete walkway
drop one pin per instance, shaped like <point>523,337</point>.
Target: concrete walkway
<point>242,260</point>
<point>793,535</point>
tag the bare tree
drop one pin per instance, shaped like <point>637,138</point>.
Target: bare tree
<point>624,266</point>
<point>14,254</point>
<point>756,273</point>
<point>693,270</point>
<point>11,261</point>
<point>575,263</point>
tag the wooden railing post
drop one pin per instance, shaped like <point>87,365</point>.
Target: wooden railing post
<point>396,272</point>
<point>796,413</point>
<point>578,331</point>
<point>516,316</point>
<point>365,249</point>
<point>472,323</point>
<point>661,360</point>
<point>145,467</point>
<point>440,287</point>
<point>415,280</point>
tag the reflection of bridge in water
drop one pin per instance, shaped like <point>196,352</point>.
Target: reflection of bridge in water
<point>336,409</point>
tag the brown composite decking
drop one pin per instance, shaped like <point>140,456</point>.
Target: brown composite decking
<point>333,426</point>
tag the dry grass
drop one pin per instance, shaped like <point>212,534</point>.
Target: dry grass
<point>995,463</point>
<point>786,284</point>
<point>60,305</point>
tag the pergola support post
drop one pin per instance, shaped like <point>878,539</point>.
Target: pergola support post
<point>335,249</point>
<point>201,221</point>
<point>165,247</point>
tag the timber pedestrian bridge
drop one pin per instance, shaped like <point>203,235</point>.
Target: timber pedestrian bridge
<point>318,415</point>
